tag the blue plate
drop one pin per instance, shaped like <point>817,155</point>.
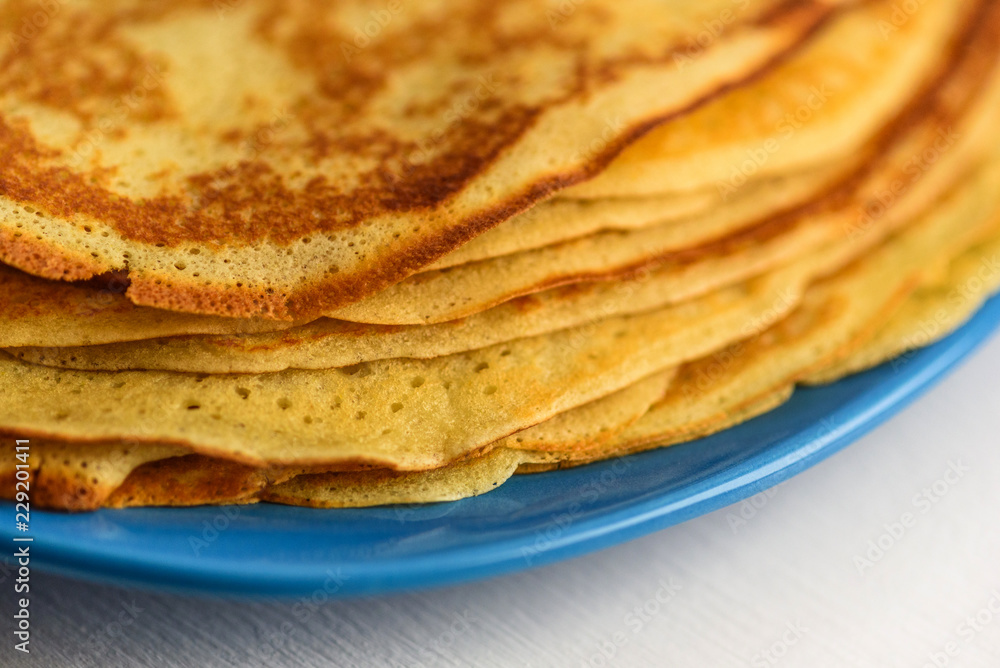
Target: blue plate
<point>269,550</point>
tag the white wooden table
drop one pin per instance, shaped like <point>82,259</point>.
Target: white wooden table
<point>888,554</point>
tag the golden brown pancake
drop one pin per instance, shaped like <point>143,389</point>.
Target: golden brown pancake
<point>822,104</point>
<point>838,318</point>
<point>944,117</point>
<point>719,391</point>
<point>561,219</point>
<point>34,309</point>
<point>706,396</point>
<point>952,294</point>
<point>416,414</point>
<point>41,312</point>
<point>86,476</point>
<point>401,413</point>
<point>881,247</point>
<point>287,160</point>
<point>35,327</point>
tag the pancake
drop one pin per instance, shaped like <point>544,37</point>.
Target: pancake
<point>727,394</point>
<point>412,414</point>
<point>492,333</point>
<point>377,488</point>
<point>108,320</point>
<point>86,476</point>
<point>398,413</point>
<point>269,165</point>
<point>939,307</point>
<point>91,314</point>
<point>593,424</point>
<point>818,107</point>
<point>683,415</point>
<point>80,476</point>
<point>697,216</point>
<point>838,321</point>
<point>326,343</point>
<point>952,120</point>
<point>557,220</point>
<point>706,396</point>
<point>34,310</point>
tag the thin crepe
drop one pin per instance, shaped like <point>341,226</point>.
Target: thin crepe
<point>953,116</point>
<point>270,164</point>
<point>86,476</point>
<point>412,414</point>
<point>820,106</point>
<point>399,413</point>
<point>707,395</point>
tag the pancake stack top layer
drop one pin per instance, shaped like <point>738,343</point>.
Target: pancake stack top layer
<point>353,254</point>
<point>274,158</point>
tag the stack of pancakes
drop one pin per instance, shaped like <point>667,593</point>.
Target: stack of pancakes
<point>357,253</point>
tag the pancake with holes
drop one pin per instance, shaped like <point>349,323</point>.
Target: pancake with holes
<point>332,322</point>
<point>680,405</point>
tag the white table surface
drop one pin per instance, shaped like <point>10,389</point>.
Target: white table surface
<point>784,589</point>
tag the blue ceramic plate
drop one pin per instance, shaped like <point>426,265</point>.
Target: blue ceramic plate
<point>269,550</point>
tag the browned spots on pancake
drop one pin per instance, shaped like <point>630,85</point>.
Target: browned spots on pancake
<point>197,479</point>
<point>68,491</point>
<point>250,202</point>
<point>940,102</point>
<point>235,301</point>
<point>51,61</point>
<point>526,303</point>
<point>574,290</point>
<point>253,202</point>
